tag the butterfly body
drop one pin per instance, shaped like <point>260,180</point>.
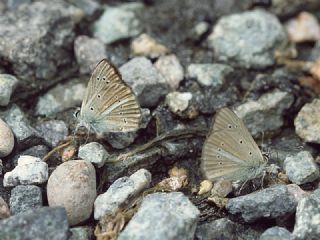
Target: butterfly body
<point>109,104</point>
<point>230,152</point>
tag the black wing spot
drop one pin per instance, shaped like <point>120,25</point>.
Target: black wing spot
<point>220,163</point>
<point>99,96</point>
<point>229,126</point>
<point>98,78</point>
<point>241,141</point>
<point>104,78</point>
<point>91,108</point>
<point>250,153</point>
<point>218,156</point>
<point>222,144</point>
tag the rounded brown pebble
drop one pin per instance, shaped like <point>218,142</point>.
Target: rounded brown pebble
<point>6,139</point>
<point>73,186</point>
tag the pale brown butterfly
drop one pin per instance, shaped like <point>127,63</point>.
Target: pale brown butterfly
<point>109,104</point>
<point>229,151</point>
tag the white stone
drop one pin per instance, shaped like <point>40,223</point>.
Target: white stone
<point>93,152</point>
<point>177,101</point>
<point>120,191</point>
<point>30,170</point>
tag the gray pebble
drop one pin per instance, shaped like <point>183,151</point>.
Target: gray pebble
<point>146,82</point>
<point>53,131</point>
<point>89,52</point>
<point>19,124</point>
<point>266,113</point>
<point>93,152</point>
<point>249,38</point>
<point>38,47</point>
<point>120,191</point>
<point>301,168</point>
<point>271,202</point>
<point>163,216</point>
<point>24,198</point>
<point>42,223</point>
<point>118,22</point>
<point>224,228</point>
<point>307,225</point>
<point>7,85</point>
<point>213,75</point>
<point>81,233</point>
<point>61,97</point>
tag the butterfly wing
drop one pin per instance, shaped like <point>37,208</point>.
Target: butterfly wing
<point>109,104</point>
<point>229,151</point>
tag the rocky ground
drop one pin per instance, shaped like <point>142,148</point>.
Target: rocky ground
<point>183,60</point>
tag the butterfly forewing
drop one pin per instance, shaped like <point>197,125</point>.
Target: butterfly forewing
<point>110,105</point>
<point>230,151</point>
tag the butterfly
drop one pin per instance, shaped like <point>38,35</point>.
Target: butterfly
<point>109,104</point>
<point>229,151</point>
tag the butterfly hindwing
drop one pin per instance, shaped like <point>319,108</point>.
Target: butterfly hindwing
<point>110,105</point>
<point>230,151</point>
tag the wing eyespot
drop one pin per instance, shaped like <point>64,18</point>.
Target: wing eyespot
<point>250,153</point>
<point>98,78</point>
<point>91,108</point>
<point>219,149</point>
<point>229,126</point>
<point>220,163</point>
<point>125,121</point>
<point>218,156</point>
<point>99,96</point>
<point>222,144</point>
<point>241,141</point>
